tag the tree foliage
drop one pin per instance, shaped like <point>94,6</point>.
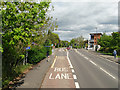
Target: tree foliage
<point>77,42</point>
<point>53,37</point>
<point>109,43</point>
<point>22,24</point>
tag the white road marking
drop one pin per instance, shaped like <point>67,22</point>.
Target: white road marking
<point>107,73</point>
<point>86,58</point>
<point>54,62</point>
<point>77,85</point>
<point>104,58</point>
<point>93,63</point>
<point>69,61</point>
<point>60,76</point>
<point>73,71</point>
<point>97,65</point>
<point>108,60</point>
<point>74,76</point>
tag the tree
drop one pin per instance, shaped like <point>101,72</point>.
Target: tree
<point>53,37</point>
<point>115,43</point>
<point>109,43</point>
<point>20,20</point>
<point>77,42</point>
<point>105,42</point>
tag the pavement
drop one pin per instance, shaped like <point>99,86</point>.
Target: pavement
<point>105,56</point>
<point>34,78</point>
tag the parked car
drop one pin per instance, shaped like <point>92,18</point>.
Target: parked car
<point>68,48</point>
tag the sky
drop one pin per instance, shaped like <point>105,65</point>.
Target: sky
<point>80,18</point>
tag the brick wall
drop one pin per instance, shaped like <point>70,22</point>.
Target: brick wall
<point>96,36</point>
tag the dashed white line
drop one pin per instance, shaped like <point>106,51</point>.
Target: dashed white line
<point>86,58</point>
<point>73,71</point>
<point>77,85</point>
<point>74,76</point>
<point>93,63</point>
<point>97,65</point>
<point>107,73</point>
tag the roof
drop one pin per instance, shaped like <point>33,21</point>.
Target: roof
<point>95,33</point>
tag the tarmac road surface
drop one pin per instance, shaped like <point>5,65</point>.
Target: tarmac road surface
<point>80,69</point>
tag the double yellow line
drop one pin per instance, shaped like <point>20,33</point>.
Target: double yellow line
<point>54,62</point>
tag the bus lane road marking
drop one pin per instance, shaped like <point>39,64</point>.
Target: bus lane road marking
<point>60,73</point>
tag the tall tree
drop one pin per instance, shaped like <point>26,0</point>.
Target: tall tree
<point>79,41</point>
<point>20,20</point>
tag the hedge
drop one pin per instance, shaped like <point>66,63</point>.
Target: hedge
<point>36,54</point>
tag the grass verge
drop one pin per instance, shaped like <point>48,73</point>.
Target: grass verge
<point>20,69</point>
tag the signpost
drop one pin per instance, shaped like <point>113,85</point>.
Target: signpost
<point>26,55</point>
<point>51,44</point>
<point>47,46</point>
<point>27,48</point>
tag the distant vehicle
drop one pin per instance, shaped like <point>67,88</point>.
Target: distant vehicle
<point>68,48</point>
<point>89,48</point>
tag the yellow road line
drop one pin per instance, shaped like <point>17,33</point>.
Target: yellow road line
<point>54,62</point>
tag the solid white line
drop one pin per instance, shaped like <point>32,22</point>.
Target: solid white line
<point>54,62</point>
<point>77,85</point>
<point>73,71</point>
<point>107,73</point>
<point>74,76</point>
<point>69,61</point>
<point>108,60</point>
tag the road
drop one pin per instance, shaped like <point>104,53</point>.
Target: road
<point>59,74</point>
<point>93,71</point>
<point>78,68</point>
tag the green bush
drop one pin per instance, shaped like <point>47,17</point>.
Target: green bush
<point>36,54</point>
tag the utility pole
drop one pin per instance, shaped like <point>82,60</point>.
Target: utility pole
<point>96,29</point>
<point>96,40</point>
<point>105,31</point>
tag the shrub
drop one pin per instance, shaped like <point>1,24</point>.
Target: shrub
<point>36,54</point>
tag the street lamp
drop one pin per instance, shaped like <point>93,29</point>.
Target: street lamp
<point>96,40</point>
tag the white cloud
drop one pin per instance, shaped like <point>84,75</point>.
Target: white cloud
<point>85,1</point>
<point>62,31</point>
<point>81,18</point>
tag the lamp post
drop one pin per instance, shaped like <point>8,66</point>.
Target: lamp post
<point>96,40</point>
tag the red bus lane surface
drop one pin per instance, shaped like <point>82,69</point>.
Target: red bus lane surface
<point>59,74</point>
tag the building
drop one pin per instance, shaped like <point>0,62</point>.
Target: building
<point>92,43</point>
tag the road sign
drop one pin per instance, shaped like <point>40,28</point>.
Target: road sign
<point>33,43</point>
<point>47,46</point>
<point>51,44</point>
<point>27,48</point>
